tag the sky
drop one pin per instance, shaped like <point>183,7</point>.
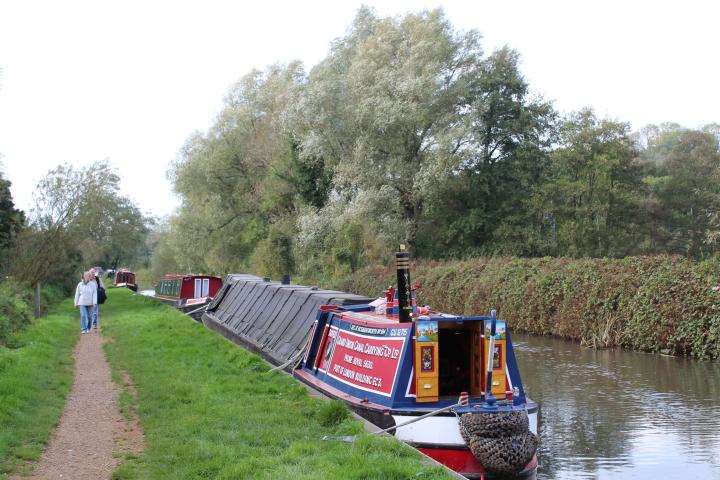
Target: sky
<point>130,81</point>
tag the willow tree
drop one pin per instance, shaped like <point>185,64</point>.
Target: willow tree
<point>385,108</point>
<point>235,180</point>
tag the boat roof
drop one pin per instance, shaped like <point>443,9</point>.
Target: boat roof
<point>174,276</point>
<point>372,318</point>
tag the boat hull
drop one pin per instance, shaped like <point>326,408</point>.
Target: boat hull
<point>194,307</point>
<point>465,463</point>
<point>130,286</point>
<point>438,437</point>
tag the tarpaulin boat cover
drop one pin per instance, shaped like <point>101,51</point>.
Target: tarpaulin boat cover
<point>271,319</point>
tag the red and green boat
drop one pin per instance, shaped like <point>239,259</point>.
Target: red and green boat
<point>188,293</point>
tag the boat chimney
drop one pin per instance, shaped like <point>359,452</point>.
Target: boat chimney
<point>285,280</point>
<point>404,293</point>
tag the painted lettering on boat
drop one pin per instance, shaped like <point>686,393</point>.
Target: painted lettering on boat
<point>366,362</point>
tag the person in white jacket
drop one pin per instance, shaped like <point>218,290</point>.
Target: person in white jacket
<point>86,299</point>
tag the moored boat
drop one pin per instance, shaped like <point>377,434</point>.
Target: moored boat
<point>125,278</point>
<point>449,385</point>
<point>422,374</point>
<point>188,293</point>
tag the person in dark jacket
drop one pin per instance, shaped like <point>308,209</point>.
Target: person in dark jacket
<point>96,311</point>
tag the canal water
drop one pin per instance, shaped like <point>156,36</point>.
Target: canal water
<point>614,415</point>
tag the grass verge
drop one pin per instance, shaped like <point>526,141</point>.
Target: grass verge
<point>36,374</point>
<point>209,409</point>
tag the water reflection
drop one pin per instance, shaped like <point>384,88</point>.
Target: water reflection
<point>615,414</point>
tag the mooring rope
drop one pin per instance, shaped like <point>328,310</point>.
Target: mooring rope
<point>352,438</point>
<point>295,358</point>
<point>196,310</point>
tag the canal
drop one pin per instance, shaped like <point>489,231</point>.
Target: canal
<point>615,414</point>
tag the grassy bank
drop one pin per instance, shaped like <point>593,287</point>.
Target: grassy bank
<point>652,304</point>
<point>210,410</point>
<point>36,373</point>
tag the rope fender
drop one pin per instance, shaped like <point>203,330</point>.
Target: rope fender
<point>501,441</point>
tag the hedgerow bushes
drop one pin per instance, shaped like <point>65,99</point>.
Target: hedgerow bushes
<point>15,309</point>
<point>660,304</point>
<point>16,305</point>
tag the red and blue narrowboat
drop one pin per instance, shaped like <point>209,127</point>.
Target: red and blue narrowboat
<point>125,278</point>
<point>446,384</point>
<point>188,293</point>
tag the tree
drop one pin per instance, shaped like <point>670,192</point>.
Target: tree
<point>242,178</point>
<point>76,213</point>
<point>11,220</point>
<point>682,169</point>
<point>590,202</point>
<point>385,107</point>
<point>505,154</point>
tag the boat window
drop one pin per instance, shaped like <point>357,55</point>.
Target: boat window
<point>206,287</point>
<point>198,288</point>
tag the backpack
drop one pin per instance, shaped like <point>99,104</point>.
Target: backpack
<point>101,295</point>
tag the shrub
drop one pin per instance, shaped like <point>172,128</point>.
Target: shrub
<point>15,309</point>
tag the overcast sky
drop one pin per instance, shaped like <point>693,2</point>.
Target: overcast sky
<point>131,80</point>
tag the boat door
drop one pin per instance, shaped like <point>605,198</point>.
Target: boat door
<point>198,288</point>
<point>426,361</point>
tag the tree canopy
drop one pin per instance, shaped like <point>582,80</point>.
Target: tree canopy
<point>408,132</point>
<point>79,219</point>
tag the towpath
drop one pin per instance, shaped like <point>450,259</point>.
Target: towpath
<point>92,437</point>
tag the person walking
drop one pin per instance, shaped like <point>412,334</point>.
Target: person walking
<point>100,297</point>
<point>86,299</point>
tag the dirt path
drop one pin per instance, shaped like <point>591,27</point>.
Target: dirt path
<point>92,437</point>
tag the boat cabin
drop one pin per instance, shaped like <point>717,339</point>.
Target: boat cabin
<point>394,363</point>
<point>125,278</point>
<point>375,357</point>
<point>188,287</point>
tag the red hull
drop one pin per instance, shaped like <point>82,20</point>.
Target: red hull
<point>465,463</point>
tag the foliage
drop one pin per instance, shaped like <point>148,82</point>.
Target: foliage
<point>485,207</point>
<point>406,132</point>
<point>664,304</point>
<point>15,309</point>
<point>11,220</point>
<point>210,409</point>
<point>239,179</point>
<point>79,219</point>
<point>404,84</point>
<point>35,377</point>
<point>591,200</point>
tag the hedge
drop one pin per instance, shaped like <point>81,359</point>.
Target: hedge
<point>664,304</point>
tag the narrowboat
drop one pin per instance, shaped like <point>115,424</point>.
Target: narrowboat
<point>427,377</point>
<point>188,293</point>
<point>125,278</point>
<point>448,385</point>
